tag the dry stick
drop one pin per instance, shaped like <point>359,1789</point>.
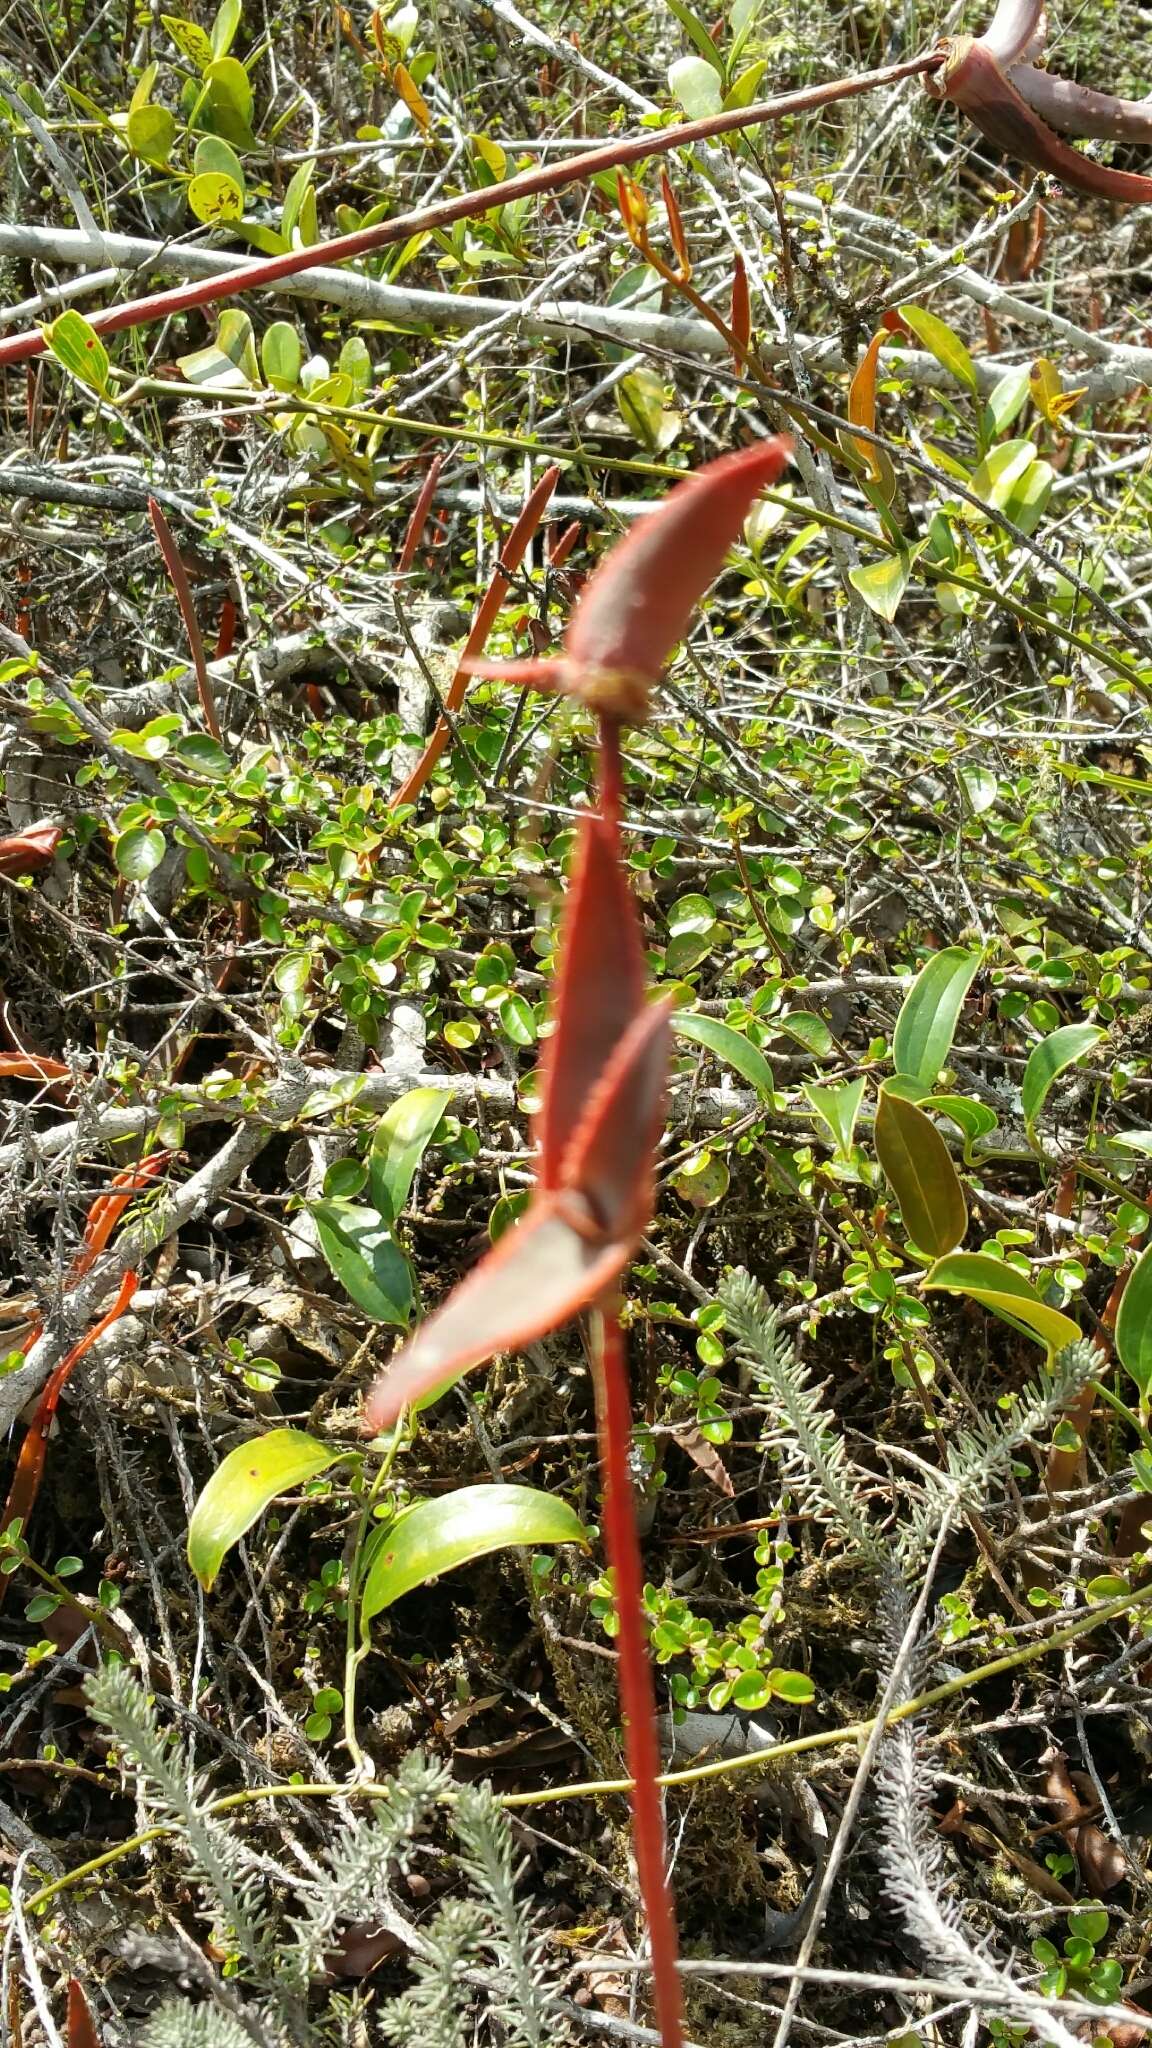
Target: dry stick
<point>545,178</point>
<point>633,1672</point>
<point>174,563</point>
<point>511,556</point>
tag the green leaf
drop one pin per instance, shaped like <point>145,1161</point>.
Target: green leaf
<point>882,584</point>
<point>225,26</point>
<point>808,1029</point>
<point>189,39</point>
<point>930,1012</point>
<point>1006,400</point>
<point>517,1019</point>
<point>366,1259</point>
<point>918,1165</point>
<point>281,356</point>
<point>696,84</point>
<point>974,1119</point>
<point>1134,1324</point>
<point>150,133</point>
<point>200,751</point>
<point>214,154</point>
<point>839,1109</point>
<point>697,34</point>
<point>401,1139</point>
<point>728,1045</point>
<point>241,1488</point>
<point>795,1686</point>
<point>79,349</point>
<point>298,185</point>
<point>214,197</point>
<point>355,362</point>
<point>436,1536</point>
<point>940,342</point>
<point>139,852</point>
<point>998,1286</point>
<point>229,360</point>
<point>1049,1059</point>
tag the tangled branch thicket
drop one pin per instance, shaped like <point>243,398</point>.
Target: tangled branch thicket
<point>909,727</point>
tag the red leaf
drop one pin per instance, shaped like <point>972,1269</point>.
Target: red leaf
<point>81,2025</point>
<point>639,601</point>
<point>1078,110</point>
<point>24,853</point>
<point>599,989</point>
<point>609,1161</point>
<point>414,531</point>
<point>26,1066</point>
<point>1016,26</point>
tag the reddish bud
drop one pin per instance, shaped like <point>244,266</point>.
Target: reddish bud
<point>24,853</point>
<point>675,225</point>
<point>740,312</point>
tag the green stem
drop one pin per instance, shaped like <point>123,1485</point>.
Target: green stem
<point>355,1647</point>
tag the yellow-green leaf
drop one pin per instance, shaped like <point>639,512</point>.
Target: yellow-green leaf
<point>918,1165</point>
<point>150,133</point>
<point>940,342</point>
<point>242,1487</point>
<point>998,1286</point>
<point>438,1535</point>
<point>930,1012</point>
<point>214,197</point>
<point>79,349</point>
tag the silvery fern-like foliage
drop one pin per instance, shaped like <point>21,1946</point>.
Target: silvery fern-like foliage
<point>360,1866</point>
<point>172,1790</point>
<point>433,2013</point>
<point>178,2025</point>
<point>519,1990</point>
<point>804,1435</point>
<point>979,1458</point>
<point>911,1860</point>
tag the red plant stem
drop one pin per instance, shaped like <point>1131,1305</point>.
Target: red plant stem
<point>270,270</point>
<point>414,533</point>
<point>634,1676</point>
<point>511,555</point>
<point>174,563</point>
<point>33,1451</point>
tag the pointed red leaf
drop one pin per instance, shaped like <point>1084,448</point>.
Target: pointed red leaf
<point>599,990</point>
<point>609,1161</point>
<point>1078,110</point>
<point>28,1066</point>
<point>539,1275</point>
<point>23,853</point>
<point>637,604</point>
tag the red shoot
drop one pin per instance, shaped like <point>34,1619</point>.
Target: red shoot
<point>603,1088</point>
<point>637,605</point>
<point>1018,107</point>
<point>107,1210</point>
<point>81,2025</point>
<point>414,531</point>
<point>174,563</point>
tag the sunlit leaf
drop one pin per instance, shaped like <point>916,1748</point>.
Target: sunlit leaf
<point>1048,1060</point>
<point>728,1045</point>
<point>240,1489</point>
<point>366,1259</point>
<point>940,342</point>
<point>79,349</point>
<point>838,1108</point>
<point>437,1536</point>
<point>1134,1324</point>
<point>998,1286</point>
<point>930,1013</point>
<point>401,1139</point>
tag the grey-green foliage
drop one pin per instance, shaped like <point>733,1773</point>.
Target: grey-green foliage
<point>805,1436</point>
<point>483,1949</point>
<point>174,1791</point>
<point>180,2025</point>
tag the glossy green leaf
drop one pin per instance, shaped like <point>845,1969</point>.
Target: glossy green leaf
<point>401,1139</point>
<point>974,1119</point>
<point>807,1029</point>
<point>225,26</point>
<point>940,342</point>
<point>1048,1060</point>
<point>1134,1324</point>
<point>838,1108</point>
<point>298,185</point>
<point>697,34</point>
<point>728,1045</point>
<point>930,1012</point>
<point>794,1686</point>
<point>242,1487</point>
<point>79,349</point>
<point>366,1259</point>
<point>214,154</point>
<point>919,1169</point>
<point>281,355</point>
<point>436,1536</point>
<point>139,852</point>
<point>998,1286</point>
